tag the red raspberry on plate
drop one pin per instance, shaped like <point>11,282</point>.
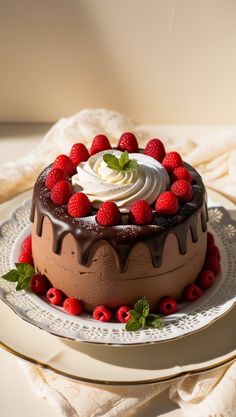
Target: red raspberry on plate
<point>102,313</point>
<point>123,314</point>
<point>181,173</point>
<point>155,149</point>
<point>182,189</point>
<point>140,213</point>
<point>192,292</point>
<point>39,284</point>
<point>27,245</point>
<point>108,214</point>
<point>26,258</point>
<point>213,250</point>
<point>205,279</point>
<point>79,153</point>
<point>61,192</point>
<point>65,163</point>
<point>55,175</point>
<point>212,264</point>
<point>168,305</point>
<point>210,239</point>
<point>128,142</point>
<point>55,296</point>
<point>73,306</point>
<point>79,205</point>
<point>100,143</point>
<point>171,161</point>
<point>167,204</point>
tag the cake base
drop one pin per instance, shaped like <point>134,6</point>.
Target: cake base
<point>101,282</point>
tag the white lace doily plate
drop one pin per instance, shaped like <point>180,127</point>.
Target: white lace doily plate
<point>215,303</point>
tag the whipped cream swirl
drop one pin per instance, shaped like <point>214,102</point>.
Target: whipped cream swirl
<point>101,183</point>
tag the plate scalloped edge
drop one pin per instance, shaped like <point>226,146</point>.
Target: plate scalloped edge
<point>219,300</point>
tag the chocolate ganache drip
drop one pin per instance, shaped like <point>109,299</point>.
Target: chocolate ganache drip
<point>87,232</point>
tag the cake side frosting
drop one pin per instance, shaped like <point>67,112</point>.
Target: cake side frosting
<point>101,283</point>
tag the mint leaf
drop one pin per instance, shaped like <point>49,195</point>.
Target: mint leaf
<point>131,165</point>
<point>22,275</point>
<point>154,320</point>
<point>140,317</point>
<point>25,269</point>
<point>142,321</point>
<point>112,161</point>
<point>23,283</point>
<point>121,164</point>
<point>132,325</point>
<point>124,159</point>
<point>134,314</point>
<point>142,307</point>
<point>11,276</point>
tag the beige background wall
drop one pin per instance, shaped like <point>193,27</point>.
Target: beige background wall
<point>163,61</point>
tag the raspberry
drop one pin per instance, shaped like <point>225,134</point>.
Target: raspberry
<point>122,314</point>
<point>79,205</point>
<point>55,175</point>
<point>100,143</point>
<point>171,161</point>
<point>79,153</point>
<point>26,258</point>
<point>168,305</point>
<point>61,192</point>
<point>181,173</point>
<point>167,204</point>
<point>140,213</point>
<point>128,142</point>
<point>155,149</point>
<point>212,264</point>
<point>27,245</point>
<point>73,306</point>
<point>205,279</point>
<point>39,284</point>
<point>64,162</point>
<point>55,296</point>
<point>213,250</point>
<point>210,239</point>
<point>108,214</point>
<point>182,189</point>
<point>192,292</point>
<point>102,313</point>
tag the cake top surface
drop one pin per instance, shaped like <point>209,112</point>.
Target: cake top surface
<point>122,191</point>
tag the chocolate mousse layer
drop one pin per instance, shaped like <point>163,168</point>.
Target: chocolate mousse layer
<point>117,265</point>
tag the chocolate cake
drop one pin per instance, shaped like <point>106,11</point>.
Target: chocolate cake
<point>115,265</point>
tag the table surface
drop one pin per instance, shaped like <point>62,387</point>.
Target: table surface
<point>15,392</point>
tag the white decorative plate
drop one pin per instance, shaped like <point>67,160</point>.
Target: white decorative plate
<point>216,302</point>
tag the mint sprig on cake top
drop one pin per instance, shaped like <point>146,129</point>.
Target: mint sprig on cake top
<point>122,163</point>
